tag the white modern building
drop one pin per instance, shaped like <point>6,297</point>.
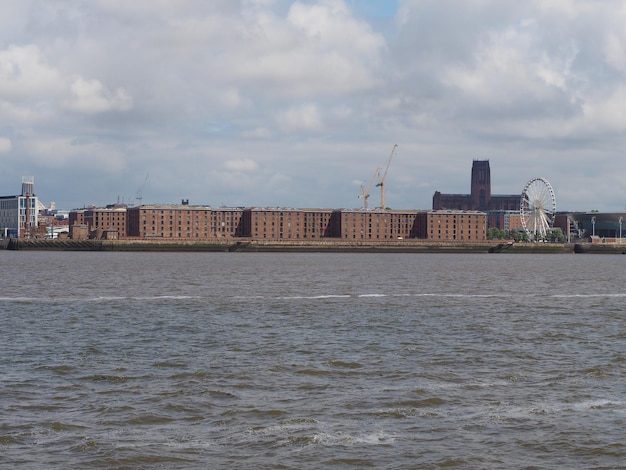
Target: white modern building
<point>19,214</point>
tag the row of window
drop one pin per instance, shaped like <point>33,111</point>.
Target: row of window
<point>8,204</point>
<point>356,225</point>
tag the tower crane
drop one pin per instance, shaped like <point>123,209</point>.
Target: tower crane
<point>381,179</point>
<point>139,196</point>
<point>365,192</point>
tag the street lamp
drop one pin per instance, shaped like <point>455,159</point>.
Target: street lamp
<point>593,226</point>
<point>621,219</point>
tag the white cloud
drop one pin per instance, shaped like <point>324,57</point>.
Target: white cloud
<point>615,50</point>
<point>27,82</point>
<point>319,48</point>
<point>24,74</point>
<point>304,117</point>
<point>330,26</point>
<point>89,96</point>
<point>607,113</point>
<point>244,165</point>
<point>509,71</point>
<point>5,145</point>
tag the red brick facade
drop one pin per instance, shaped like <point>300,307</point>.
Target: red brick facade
<point>505,220</point>
<point>455,226</point>
<point>99,220</point>
<point>205,223</point>
<point>287,223</point>
<point>184,222</point>
<point>378,225</point>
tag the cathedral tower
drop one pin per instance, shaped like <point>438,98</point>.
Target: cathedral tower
<point>481,185</point>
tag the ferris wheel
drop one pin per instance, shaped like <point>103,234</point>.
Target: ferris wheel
<point>537,208</point>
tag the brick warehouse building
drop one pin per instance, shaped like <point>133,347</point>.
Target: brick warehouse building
<point>99,222</point>
<point>455,225</point>
<point>505,220</point>
<point>185,222</point>
<point>288,224</point>
<point>480,197</point>
<point>376,225</point>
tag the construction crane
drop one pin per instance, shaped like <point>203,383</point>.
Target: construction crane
<point>139,195</point>
<point>365,192</point>
<point>381,179</point>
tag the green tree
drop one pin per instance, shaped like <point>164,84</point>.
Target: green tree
<point>555,235</point>
<point>519,236</point>
<point>494,233</point>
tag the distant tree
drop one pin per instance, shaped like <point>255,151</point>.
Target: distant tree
<point>555,235</point>
<point>560,235</point>
<point>493,233</point>
<point>519,235</point>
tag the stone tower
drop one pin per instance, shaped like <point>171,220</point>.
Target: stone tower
<point>481,185</point>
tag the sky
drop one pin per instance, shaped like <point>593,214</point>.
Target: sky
<point>277,103</point>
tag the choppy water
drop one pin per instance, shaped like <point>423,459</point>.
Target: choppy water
<point>249,360</point>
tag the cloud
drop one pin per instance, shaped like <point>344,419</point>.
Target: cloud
<point>5,145</point>
<point>24,74</point>
<point>257,133</point>
<point>72,153</point>
<point>288,102</point>
<point>317,48</point>
<point>607,114</point>
<point>244,165</point>
<point>27,82</point>
<point>89,96</point>
<point>511,77</point>
<point>304,117</point>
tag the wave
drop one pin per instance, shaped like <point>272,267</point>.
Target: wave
<point>367,295</point>
<point>168,297</point>
<point>100,298</point>
<point>601,295</point>
<point>311,432</point>
<point>323,296</point>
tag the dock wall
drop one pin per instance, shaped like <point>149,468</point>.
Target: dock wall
<point>247,245</point>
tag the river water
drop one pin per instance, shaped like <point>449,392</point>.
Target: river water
<point>310,360</point>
